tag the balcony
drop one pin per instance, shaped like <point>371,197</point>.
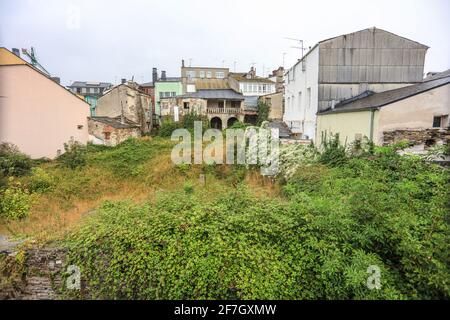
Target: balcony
<point>224,110</point>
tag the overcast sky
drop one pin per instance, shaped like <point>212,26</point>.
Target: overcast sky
<point>105,40</point>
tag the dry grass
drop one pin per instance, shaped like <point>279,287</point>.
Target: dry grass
<point>78,194</point>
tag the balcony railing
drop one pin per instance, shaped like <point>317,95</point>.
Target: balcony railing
<point>224,110</point>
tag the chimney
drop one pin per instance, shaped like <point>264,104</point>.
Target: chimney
<point>56,79</point>
<point>16,52</point>
<point>154,75</point>
<point>163,75</point>
<point>182,63</point>
<point>124,81</point>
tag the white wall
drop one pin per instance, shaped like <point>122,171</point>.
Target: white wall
<point>300,114</point>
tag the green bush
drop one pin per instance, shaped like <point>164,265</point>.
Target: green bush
<point>12,161</point>
<point>263,113</point>
<point>15,202</point>
<point>318,243</point>
<point>74,155</point>
<point>167,127</point>
<point>333,153</point>
<point>40,181</point>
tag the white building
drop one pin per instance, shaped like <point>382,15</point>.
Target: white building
<point>340,68</point>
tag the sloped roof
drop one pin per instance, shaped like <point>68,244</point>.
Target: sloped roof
<point>439,75</point>
<point>8,58</point>
<point>227,94</point>
<point>241,77</point>
<point>374,29</point>
<point>90,84</point>
<point>147,84</point>
<point>212,84</point>
<point>115,122</point>
<point>378,100</point>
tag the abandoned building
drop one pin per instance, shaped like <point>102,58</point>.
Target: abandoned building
<point>418,113</point>
<point>112,131</point>
<point>127,101</point>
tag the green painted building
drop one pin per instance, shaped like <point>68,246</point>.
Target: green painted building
<point>166,87</point>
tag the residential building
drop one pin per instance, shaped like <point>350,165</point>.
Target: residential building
<point>127,103</point>
<point>166,87</point>
<point>36,113</point>
<point>418,113</point>
<point>90,91</point>
<point>252,85</point>
<point>189,75</point>
<point>346,66</point>
<point>149,88</point>
<point>277,76</point>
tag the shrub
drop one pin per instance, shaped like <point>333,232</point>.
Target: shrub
<point>74,155</point>
<point>40,181</point>
<point>167,127</point>
<point>263,113</point>
<point>333,153</point>
<point>12,161</point>
<point>15,202</point>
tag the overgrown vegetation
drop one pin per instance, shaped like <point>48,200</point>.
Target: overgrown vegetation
<point>160,232</point>
<point>263,113</point>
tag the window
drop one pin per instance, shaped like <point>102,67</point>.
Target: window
<point>202,74</point>
<point>190,88</point>
<point>264,88</point>
<point>191,74</point>
<point>107,135</point>
<point>161,95</point>
<point>173,94</point>
<point>83,90</point>
<point>440,121</point>
<point>208,74</point>
<point>186,105</point>
<point>78,90</point>
<point>220,104</point>
<point>220,75</point>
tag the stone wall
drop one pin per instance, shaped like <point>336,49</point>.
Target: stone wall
<point>427,137</point>
<point>42,278</point>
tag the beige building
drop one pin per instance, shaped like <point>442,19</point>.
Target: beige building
<point>189,75</point>
<point>37,114</point>
<point>126,100</point>
<point>275,102</point>
<point>418,113</point>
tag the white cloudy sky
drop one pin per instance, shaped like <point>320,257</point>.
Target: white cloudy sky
<point>116,39</point>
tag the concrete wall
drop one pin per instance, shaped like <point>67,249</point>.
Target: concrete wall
<point>348,125</point>
<point>415,112</point>
<point>37,114</point>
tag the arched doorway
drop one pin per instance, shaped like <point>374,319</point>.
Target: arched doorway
<point>216,123</point>
<point>231,121</point>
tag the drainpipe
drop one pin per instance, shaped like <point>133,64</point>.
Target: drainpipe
<point>372,118</point>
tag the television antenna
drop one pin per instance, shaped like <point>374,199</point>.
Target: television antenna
<point>300,41</point>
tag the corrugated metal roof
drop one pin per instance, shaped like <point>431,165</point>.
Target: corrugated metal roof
<point>227,94</point>
<point>381,99</point>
